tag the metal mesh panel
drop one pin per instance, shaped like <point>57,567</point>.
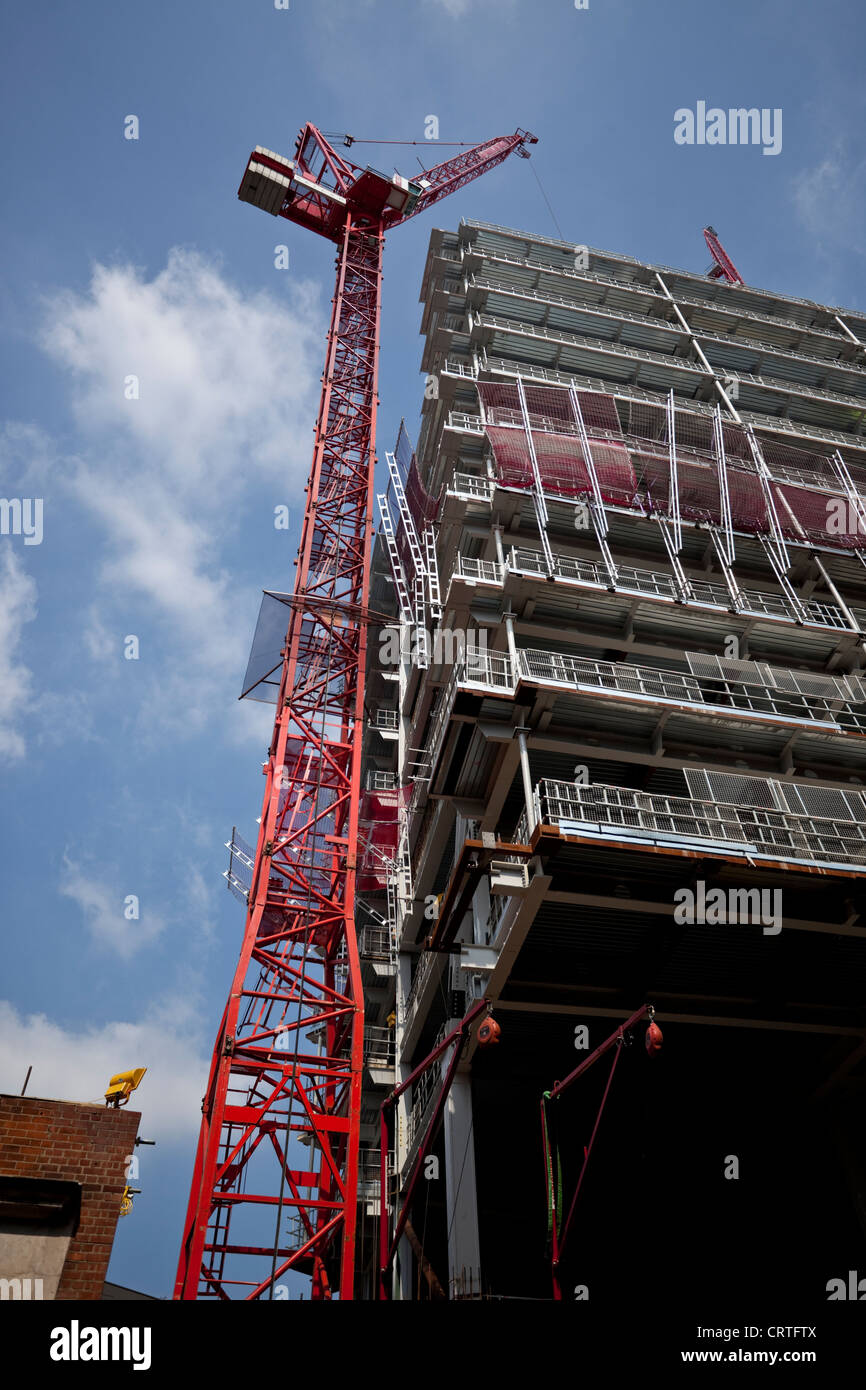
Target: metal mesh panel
<point>693,431</point>
<point>729,788</point>
<point>653,480</point>
<point>736,441</point>
<point>403,451</point>
<point>726,668</point>
<point>830,803</point>
<point>808,683</point>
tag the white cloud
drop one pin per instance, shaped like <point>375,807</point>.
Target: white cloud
<point>228,385</point>
<point>17,607</point>
<point>103,906</point>
<point>101,643</point>
<point>830,201</point>
<point>76,1063</point>
<point>222,377</point>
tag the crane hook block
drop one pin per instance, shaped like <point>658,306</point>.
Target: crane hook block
<point>488,1033</point>
<point>654,1039</point>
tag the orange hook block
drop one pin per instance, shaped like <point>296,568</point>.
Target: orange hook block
<point>654,1039</point>
<point>488,1032</point>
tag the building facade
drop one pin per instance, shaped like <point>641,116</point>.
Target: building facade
<point>616,757</point>
<point>63,1178</point>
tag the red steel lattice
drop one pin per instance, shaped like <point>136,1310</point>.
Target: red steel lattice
<point>281,1116</point>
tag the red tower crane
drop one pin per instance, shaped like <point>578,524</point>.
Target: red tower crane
<point>287,1063</point>
<point>723,267</point>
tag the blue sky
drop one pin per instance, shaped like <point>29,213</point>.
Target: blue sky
<point>134,258</point>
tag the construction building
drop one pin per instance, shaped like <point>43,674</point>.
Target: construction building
<point>64,1183</point>
<point>615,755</point>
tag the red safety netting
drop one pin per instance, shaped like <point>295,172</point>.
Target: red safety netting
<point>511,456</point>
<point>631,476</point>
<point>615,472</point>
<point>549,408</point>
<point>379,834</point>
<point>698,487</point>
<point>825,519</point>
<point>404,551</point>
<point>500,402</point>
<point>561,465</point>
<point>422,504</point>
<point>599,412</point>
<point>748,503</point>
<point>783,459</point>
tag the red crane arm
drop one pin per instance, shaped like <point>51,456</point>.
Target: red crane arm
<point>447,177</point>
<point>320,190</point>
<point>723,267</point>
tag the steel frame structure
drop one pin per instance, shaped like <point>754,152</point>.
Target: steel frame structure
<point>269,1090</point>
<point>559,1230</point>
<point>389,1241</point>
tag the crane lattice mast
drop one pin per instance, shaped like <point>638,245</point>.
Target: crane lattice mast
<point>723,267</point>
<point>285,1077</point>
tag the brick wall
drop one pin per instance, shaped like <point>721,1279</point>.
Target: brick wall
<point>88,1144</point>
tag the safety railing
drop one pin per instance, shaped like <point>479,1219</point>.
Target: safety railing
<point>425,1088</point>
<point>758,602</point>
<point>581,306</point>
<point>376,943</point>
<point>719,691</point>
<point>369,1172</point>
<point>471,485</point>
<point>385,719</point>
<point>455,367</point>
<point>428,960</point>
<point>379,1051</point>
<point>465,422</point>
<point>615,348</point>
<point>381,781</point>
<point>768,833</point>
<point>493,670</point>
<point>483,571</point>
<point>700,281</point>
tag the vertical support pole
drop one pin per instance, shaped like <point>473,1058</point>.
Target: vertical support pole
<point>724,491</point>
<point>461,1203</point>
<point>538,497</point>
<point>531,819</point>
<point>674,488</point>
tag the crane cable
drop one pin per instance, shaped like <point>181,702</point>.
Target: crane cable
<point>356,140</point>
<point>552,1165</point>
<point>547,200</point>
